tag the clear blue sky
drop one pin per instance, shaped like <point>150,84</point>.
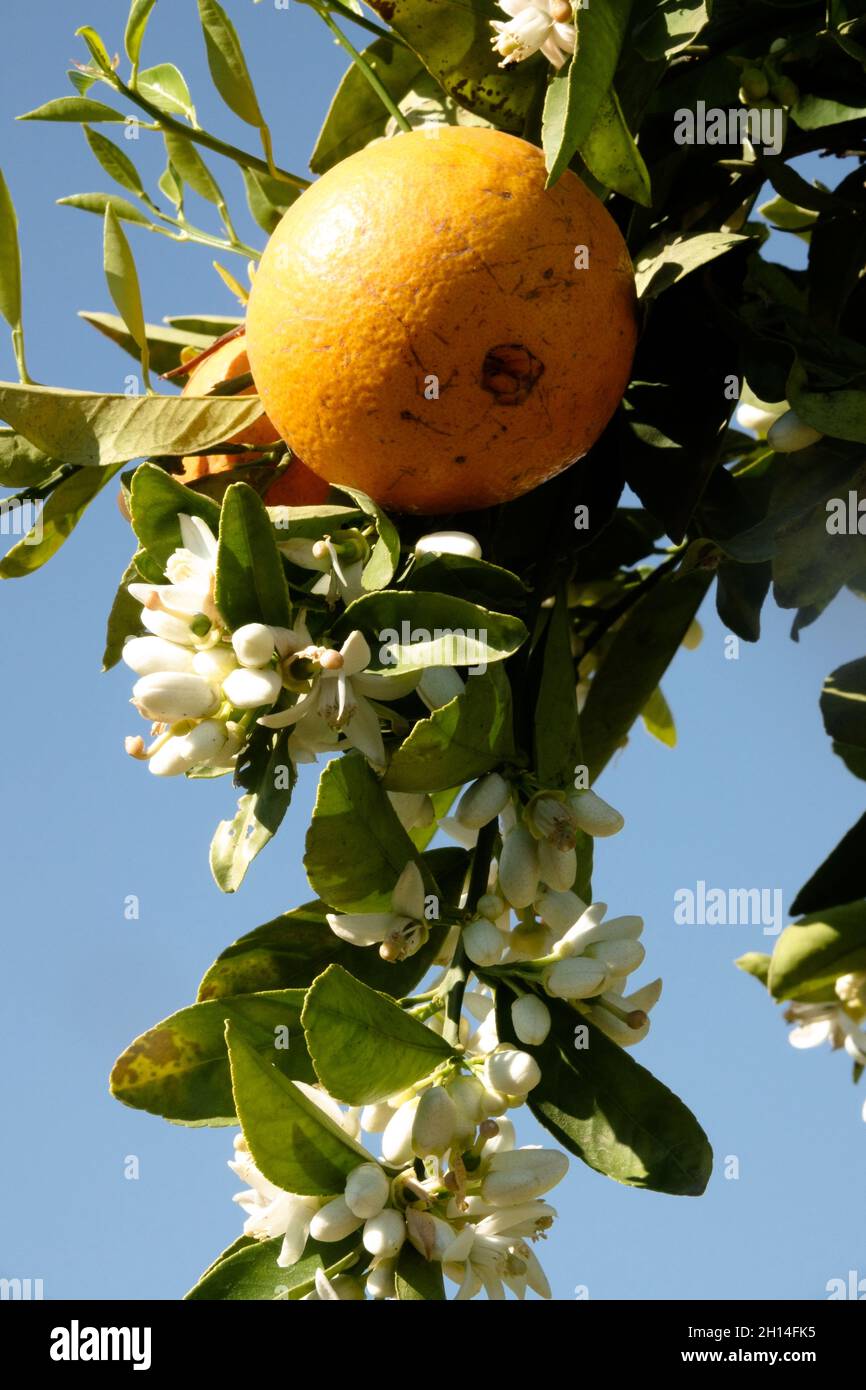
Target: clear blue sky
<point>752,797</point>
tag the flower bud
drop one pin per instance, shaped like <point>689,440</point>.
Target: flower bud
<point>483,942</point>
<point>758,418</point>
<point>367,1189</point>
<point>397,1135</point>
<point>491,906</point>
<point>466,1092</point>
<point>518,867</point>
<point>483,801</point>
<point>384,1234</point>
<point>595,816</point>
<point>247,689</point>
<point>171,695</point>
<point>558,867</point>
<point>449,543</point>
<point>520,1175</point>
<point>459,832</point>
<point>575,978</point>
<point>430,1235</point>
<point>334,1221</point>
<point>434,1123</point>
<point>850,989</point>
<point>511,1071</point>
<point>204,742</point>
<point>380,1281</point>
<point>551,819</point>
<point>530,1018</point>
<point>147,656</point>
<point>753,85</point>
<point>169,760</point>
<point>166,625</point>
<point>374,1118</point>
<point>493,1103</point>
<point>503,1141</point>
<point>618,957</point>
<point>439,685</point>
<point>253,644</point>
<point>559,910</point>
<point>413,809</point>
<point>214,664</point>
<point>790,434</point>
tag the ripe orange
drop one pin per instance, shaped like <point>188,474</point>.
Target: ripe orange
<point>297,486</point>
<point>420,327</point>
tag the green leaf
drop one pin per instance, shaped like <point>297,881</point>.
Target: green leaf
<point>639,655</point>
<point>477,581</point>
<point>840,879</point>
<point>122,279</point>
<point>289,952</point>
<point>294,1143</point>
<point>98,202</point>
<point>210,325</point>
<point>556,731</point>
<point>453,632</point>
<point>124,620</point>
<point>385,555</point>
<point>156,501</point>
<point>268,198</point>
<point>575,98</point>
<point>658,720</point>
<point>840,413</point>
<point>612,156</point>
<point>227,64</point>
<point>814,112</point>
<point>86,428</point>
<point>356,848</point>
<point>608,1110</point>
<point>457,51</point>
<point>810,955</point>
<point>417,1278</point>
<point>114,161</point>
<point>670,26</point>
<point>165,86</point>
<point>259,815</point>
<point>56,521</point>
<point>180,1068</point>
<point>73,109</point>
<point>364,1046</point>
<point>356,115</point>
<point>755,963</point>
<point>671,257</point>
<point>250,580</point>
<point>21,464</point>
<point>139,13</point>
<point>843,708</point>
<point>189,165</point>
<point>164,344</point>
<point>98,51</point>
<point>787,216</point>
<point>248,1270</point>
<point>460,741</point>
<point>10,259</point>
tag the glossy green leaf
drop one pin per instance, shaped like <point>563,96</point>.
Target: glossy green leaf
<point>843,708</point>
<point>477,581</point>
<point>227,64</point>
<point>417,1278</point>
<point>180,1068</point>
<point>98,51</point>
<point>669,258</point>
<point>250,582</point>
<point>612,156</point>
<point>56,521</point>
<point>156,501</point>
<point>458,52</point>
<point>268,198</point>
<point>810,955</point>
<point>114,161</point>
<point>364,1046</point>
<point>815,112</point>
<point>608,1110</point>
<point>639,655</point>
<point>10,259</point>
<point>411,631</point>
<point>260,812</point>
<point>356,114</point>
<point>98,202</point>
<point>670,26</point>
<point>840,879</point>
<point>165,86</point>
<point>464,739</point>
<point>658,719</point>
<point>86,428</point>
<point>840,412</point>
<point>122,280</point>
<point>164,344</point>
<point>139,14</point>
<point>385,555</point>
<point>576,96</point>
<point>189,165</point>
<point>124,619</point>
<point>556,730</point>
<point>74,109</point>
<point>248,1270</point>
<point>755,963</point>
<point>294,1143</point>
<point>356,847</point>
<point>21,463</point>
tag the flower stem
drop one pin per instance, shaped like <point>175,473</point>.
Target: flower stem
<point>454,984</point>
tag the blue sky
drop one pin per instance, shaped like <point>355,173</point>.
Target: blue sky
<point>751,797</point>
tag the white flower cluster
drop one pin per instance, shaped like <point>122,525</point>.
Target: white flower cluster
<point>840,1024</point>
<point>450,1182</point>
<point>545,26</point>
<point>203,686</point>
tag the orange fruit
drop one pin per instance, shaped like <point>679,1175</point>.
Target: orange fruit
<point>297,486</point>
<point>424,325</point>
